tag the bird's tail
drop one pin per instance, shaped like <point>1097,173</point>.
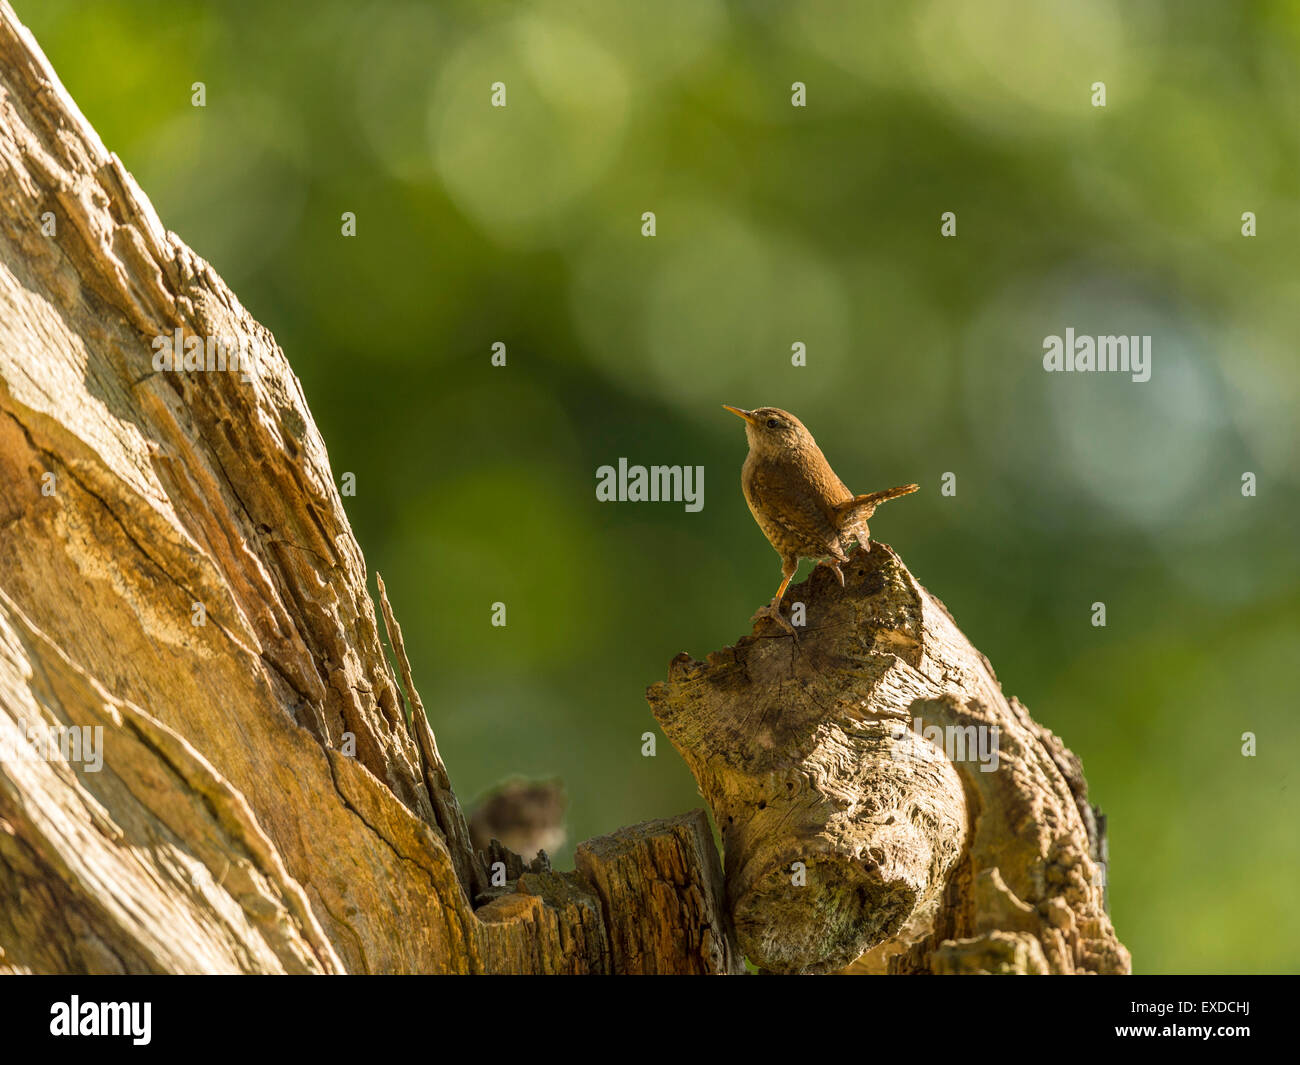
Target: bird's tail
<point>865,506</point>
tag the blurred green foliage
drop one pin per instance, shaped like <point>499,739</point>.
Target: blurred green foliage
<point>777,225</point>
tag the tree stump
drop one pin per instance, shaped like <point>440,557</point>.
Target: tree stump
<point>881,802</point>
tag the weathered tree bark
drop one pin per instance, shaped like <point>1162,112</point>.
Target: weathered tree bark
<point>864,816</point>
<point>176,568</point>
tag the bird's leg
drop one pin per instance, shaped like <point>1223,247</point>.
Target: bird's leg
<point>773,609</point>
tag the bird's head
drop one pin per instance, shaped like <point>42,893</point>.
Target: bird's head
<point>772,431</point>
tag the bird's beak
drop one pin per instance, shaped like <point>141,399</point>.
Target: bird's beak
<point>746,414</point>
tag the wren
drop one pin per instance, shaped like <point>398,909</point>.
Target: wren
<point>803,508</point>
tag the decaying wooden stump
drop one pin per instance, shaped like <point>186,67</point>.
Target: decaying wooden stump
<point>881,802</point>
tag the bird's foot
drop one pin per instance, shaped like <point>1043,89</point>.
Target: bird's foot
<point>834,567</point>
<point>773,611</point>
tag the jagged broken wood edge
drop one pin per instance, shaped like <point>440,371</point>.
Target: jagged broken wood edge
<point>447,809</point>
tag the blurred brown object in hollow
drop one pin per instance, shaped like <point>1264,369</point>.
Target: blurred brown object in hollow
<point>525,815</point>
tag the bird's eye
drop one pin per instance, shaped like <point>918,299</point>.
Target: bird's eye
<point>772,423</point>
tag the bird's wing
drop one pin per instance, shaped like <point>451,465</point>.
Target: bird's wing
<point>780,497</point>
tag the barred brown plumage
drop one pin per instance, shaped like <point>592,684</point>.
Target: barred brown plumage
<point>803,508</point>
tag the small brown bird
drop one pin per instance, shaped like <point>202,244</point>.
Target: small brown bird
<point>804,510</point>
<point>525,815</point>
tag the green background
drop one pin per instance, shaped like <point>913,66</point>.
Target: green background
<point>777,225</point>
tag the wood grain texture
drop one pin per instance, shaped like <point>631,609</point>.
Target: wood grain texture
<point>673,862</point>
<point>232,827</point>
